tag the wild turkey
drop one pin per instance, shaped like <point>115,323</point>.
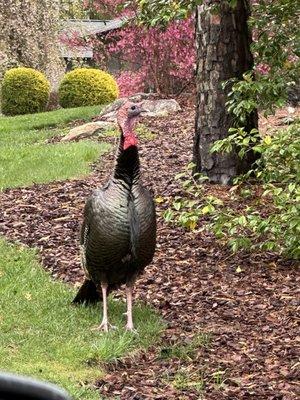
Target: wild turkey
<point>118,234</point>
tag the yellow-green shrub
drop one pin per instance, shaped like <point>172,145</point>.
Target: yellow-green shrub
<point>87,87</point>
<point>24,91</point>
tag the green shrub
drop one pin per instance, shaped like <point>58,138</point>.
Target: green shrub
<point>24,91</point>
<point>87,87</point>
<point>266,199</point>
<point>272,224</point>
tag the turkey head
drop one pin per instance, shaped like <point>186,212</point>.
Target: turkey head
<point>127,118</point>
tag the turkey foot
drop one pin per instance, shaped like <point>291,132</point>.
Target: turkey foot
<point>105,326</point>
<point>130,328</point>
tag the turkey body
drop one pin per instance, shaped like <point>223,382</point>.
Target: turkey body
<point>118,234</point>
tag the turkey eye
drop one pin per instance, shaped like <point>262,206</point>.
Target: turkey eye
<point>133,108</point>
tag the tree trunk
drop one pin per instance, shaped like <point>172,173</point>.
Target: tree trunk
<point>223,52</point>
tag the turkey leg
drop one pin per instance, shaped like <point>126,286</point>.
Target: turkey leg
<point>104,326</point>
<point>129,325</point>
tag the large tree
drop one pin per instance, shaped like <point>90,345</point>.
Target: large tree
<point>223,52</point>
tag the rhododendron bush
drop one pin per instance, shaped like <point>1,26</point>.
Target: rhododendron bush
<point>156,59</point>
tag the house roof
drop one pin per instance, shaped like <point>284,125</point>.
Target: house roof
<point>78,52</point>
<point>83,28</point>
<point>86,27</point>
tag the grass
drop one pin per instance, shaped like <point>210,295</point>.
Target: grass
<point>25,157</point>
<point>44,336</point>
<point>186,351</point>
<point>186,377</point>
<point>41,163</point>
<point>28,122</point>
<point>196,379</point>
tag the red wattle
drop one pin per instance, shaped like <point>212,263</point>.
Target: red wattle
<point>129,140</point>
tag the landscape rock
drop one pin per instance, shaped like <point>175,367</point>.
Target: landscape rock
<point>88,130</point>
<point>136,98</point>
<point>160,108</point>
<point>154,107</point>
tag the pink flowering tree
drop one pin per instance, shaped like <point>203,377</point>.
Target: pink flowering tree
<point>154,59</point>
<point>161,60</point>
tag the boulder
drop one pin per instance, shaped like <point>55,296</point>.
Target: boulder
<point>136,98</point>
<point>155,108</point>
<point>160,108</point>
<point>88,130</point>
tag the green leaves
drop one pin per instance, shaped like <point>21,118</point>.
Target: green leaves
<point>276,50</point>
<point>270,222</point>
<point>161,12</point>
<point>186,210</point>
<point>238,139</point>
<point>168,215</point>
<point>275,225</point>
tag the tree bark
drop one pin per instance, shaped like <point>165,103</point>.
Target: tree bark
<point>223,52</point>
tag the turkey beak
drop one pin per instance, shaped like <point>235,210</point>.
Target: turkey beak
<point>143,110</point>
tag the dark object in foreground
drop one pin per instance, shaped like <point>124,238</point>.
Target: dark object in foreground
<point>14,387</point>
<point>118,234</point>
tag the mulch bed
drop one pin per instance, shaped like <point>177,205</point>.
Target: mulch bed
<point>250,316</point>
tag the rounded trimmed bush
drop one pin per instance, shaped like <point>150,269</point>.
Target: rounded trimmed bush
<point>87,87</point>
<point>24,91</point>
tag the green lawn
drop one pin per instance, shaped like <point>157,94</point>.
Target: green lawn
<point>39,163</point>
<point>21,123</point>
<point>25,158</point>
<point>43,335</point>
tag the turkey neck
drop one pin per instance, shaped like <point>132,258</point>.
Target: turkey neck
<point>127,167</point>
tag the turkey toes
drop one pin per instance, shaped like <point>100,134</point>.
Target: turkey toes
<point>104,327</point>
<point>130,328</point>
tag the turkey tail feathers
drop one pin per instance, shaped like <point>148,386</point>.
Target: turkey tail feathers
<point>87,293</point>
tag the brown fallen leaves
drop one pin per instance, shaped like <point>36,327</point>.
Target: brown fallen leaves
<point>247,303</point>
